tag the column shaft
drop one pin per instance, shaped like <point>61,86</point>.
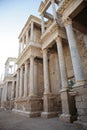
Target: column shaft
<point>43,24</point>
<point>32,31</point>
<point>35,77</point>
<point>76,60</point>
<point>26,37</point>
<point>19,48</point>
<point>23,43</point>
<point>46,73</point>
<point>17,85</point>
<point>54,9</point>
<point>31,90</point>
<point>12,90</point>
<point>85,41</point>
<point>21,82</point>
<point>62,63</point>
<point>26,79</point>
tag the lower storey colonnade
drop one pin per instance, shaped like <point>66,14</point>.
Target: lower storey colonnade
<point>42,87</point>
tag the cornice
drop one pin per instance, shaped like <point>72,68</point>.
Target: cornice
<point>31,49</point>
<point>62,6</point>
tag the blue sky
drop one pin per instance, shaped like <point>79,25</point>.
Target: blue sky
<point>13,16</point>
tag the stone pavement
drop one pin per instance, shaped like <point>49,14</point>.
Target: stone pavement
<point>11,121</point>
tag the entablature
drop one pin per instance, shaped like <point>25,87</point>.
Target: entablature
<point>67,7</point>
<point>30,50</point>
<point>51,34</point>
<point>27,26</point>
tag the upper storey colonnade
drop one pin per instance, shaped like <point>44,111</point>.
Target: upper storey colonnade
<point>30,29</point>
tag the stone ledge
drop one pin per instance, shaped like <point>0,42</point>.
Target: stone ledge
<point>80,124</point>
<point>27,113</point>
<point>49,114</point>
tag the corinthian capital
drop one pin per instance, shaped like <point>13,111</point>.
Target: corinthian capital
<point>67,21</point>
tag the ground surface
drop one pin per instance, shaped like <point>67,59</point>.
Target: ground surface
<point>11,121</point>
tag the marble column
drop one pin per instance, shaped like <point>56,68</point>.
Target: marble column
<point>21,82</point>
<point>31,90</point>
<point>54,9</point>
<point>62,65</point>
<point>18,83</point>
<point>12,90</point>
<point>6,91</point>
<point>46,73</point>
<point>35,77</point>
<point>19,48</point>
<point>42,24</point>
<point>75,57</point>
<point>32,31</point>
<point>22,43</point>
<point>27,37</point>
<point>85,41</point>
<point>64,90</point>
<point>26,79</point>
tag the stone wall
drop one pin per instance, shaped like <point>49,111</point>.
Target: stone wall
<point>82,50</point>
<point>55,82</point>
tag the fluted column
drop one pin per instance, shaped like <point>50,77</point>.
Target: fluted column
<point>32,31</point>
<point>21,82</point>
<point>42,24</point>
<point>12,90</point>
<point>26,79</point>
<point>31,90</point>
<point>62,63</point>
<point>46,72</point>
<point>54,9</point>
<point>18,83</point>
<point>75,57</point>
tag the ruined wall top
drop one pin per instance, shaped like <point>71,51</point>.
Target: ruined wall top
<point>45,4</point>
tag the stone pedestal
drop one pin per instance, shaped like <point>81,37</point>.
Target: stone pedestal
<point>65,116</point>
<point>35,106</point>
<point>81,102</point>
<point>11,104</point>
<point>48,104</point>
<point>29,106</point>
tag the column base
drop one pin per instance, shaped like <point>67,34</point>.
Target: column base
<point>49,114</point>
<point>65,117</point>
<point>48,104</point>
<point>12,104</point>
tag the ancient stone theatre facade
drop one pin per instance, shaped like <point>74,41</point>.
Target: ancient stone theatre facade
<point>51,76</point>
